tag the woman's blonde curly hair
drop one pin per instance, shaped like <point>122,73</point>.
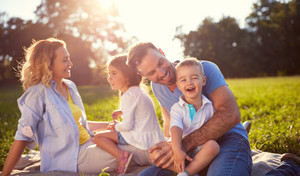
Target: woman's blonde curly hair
<point>39,56</point>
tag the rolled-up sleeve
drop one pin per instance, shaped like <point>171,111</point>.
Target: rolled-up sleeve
<point>31,107</point>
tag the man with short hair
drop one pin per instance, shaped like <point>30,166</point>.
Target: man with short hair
<point>224,127</point>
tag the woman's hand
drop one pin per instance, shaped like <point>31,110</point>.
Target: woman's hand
<point>13,156</point>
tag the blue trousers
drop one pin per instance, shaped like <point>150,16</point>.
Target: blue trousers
<point>286,168</point>
<point>234,159</point>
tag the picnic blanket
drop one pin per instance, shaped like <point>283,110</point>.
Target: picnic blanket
<point>29,164</point>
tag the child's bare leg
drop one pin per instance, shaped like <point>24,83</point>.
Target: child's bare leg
<point>207,153</point>
<point>108,140</point>
<point>97,126</point>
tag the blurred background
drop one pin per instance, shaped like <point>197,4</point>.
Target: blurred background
<point>250,38</point>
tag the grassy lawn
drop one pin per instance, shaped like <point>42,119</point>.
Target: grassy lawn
<point>272,105</point>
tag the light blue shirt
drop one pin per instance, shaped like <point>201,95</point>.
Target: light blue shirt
<point>49,116</point>
<point>214,79</point>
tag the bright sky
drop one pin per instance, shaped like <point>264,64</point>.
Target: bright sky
<point>155,20</point>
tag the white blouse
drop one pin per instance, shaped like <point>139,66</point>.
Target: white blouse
<point>140,127</point>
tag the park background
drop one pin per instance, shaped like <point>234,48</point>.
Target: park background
<point>259,56</point>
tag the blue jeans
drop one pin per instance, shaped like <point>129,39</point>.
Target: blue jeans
<point>121,140</point>
<point>234,159</point>
<point>287,168</point>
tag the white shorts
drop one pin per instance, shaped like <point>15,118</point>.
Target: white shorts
<point>92,159</point>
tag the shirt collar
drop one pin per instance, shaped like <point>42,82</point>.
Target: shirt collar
<point>67,82</point>
<point>205,100</point>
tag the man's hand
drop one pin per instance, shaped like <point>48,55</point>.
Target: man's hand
<point>227,115</point>
<point>161,154</point>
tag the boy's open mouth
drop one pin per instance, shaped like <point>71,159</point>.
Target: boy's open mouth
<point>190,89</point>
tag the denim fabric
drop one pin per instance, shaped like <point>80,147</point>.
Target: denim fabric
<point>287,168</point>
<point>48,116</point>
<point>121,139</point>
<point>156,171</point>
<point>234,159</point>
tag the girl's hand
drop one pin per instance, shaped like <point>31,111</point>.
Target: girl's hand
<point>111,125</point>
<point>116,114</point>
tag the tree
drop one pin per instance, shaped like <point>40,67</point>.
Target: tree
<point>15,34</point>
<point>276,27</point>
<point>91,33</point>
<point>269,46</point>
<point>223,42</point>
<point>94,29</point>
<point>84,19</point>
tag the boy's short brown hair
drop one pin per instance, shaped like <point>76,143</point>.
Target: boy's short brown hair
<point>192,61</point>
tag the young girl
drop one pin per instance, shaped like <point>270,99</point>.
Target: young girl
<point>139,127</point>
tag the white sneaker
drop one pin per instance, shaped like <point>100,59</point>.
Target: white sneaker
<point>182,174</point>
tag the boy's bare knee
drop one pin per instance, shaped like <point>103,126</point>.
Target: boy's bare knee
<point>212,146</point>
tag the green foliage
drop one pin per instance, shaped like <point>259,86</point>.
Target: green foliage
<point>224,43</point>
<point>103,173</point>
<point>272,105</point>
<point>86,26</point>
<point>9,115</point>
<point>99,102</point>
<point>269,45</point>
<point>276,26</point>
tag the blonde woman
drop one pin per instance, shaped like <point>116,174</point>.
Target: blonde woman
<point>52,115</point>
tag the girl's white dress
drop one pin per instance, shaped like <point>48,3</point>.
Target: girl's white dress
<point>140,127</point>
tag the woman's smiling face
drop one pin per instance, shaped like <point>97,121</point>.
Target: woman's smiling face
<point>61,65</point>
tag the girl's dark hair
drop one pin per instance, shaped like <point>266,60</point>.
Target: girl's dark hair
<point>119,62</point>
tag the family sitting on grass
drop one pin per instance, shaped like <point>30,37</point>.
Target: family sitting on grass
<point>199,111</point>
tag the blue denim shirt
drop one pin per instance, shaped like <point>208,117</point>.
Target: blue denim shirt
<point>49,117</point>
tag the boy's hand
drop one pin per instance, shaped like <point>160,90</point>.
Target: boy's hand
<point>179,157</point>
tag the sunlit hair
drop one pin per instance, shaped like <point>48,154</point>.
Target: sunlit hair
<point>119,62</point>
<point>190,62</point>
<point>137,52</point>
<point>39,56</point>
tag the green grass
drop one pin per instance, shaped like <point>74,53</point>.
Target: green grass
<point>272,105</point>
<point>9,115</point>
